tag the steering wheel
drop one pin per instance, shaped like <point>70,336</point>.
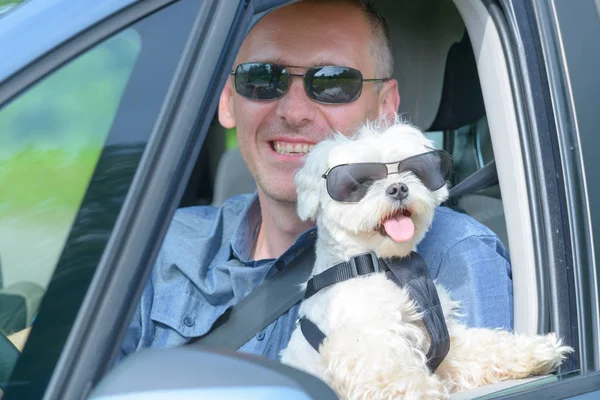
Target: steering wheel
<point>8,358</point>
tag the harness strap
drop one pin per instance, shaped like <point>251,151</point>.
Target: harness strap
<point>312,333</point>
<point>363,264</point>
<point>410,272</point>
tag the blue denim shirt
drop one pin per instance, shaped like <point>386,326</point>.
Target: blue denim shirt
<point>205,266</point>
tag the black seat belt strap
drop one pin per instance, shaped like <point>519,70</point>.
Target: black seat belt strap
<point>480,179</point>
<point>274,297</point>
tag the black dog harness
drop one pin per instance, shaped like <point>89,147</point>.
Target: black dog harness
<point>408,272</point>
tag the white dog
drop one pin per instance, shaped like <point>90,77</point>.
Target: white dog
<point>375,344</point>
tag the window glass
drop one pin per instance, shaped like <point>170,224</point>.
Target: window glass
<point>69,148</point>
<point>52,137</point>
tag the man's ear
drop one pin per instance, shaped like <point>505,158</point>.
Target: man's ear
<point>226,113</point>
<point>310,184</point>
<point>389,99</point>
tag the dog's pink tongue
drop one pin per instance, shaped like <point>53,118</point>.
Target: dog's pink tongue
<point>400,228</point>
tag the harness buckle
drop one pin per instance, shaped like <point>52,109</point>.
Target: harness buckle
<point>374,260</point>
<point>353,267</point>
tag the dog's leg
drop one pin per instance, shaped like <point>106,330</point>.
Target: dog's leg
<point>480,357</point>
<point>373,363</point>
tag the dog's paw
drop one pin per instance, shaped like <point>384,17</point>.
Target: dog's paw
<point>548,353</point>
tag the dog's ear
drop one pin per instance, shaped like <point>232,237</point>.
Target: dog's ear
<point>442,194</point>
<point>310,185</point>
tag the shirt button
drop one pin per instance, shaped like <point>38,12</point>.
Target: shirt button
<point>279,264</point>
<point>260,336</point>
<point>188,321</point>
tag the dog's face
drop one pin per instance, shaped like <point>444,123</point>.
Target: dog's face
<point>365,205</point>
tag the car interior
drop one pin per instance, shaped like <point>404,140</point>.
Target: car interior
<point>455,85</point>
<point>458,96</point>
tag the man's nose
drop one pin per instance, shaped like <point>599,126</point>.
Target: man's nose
<point>295,107</point>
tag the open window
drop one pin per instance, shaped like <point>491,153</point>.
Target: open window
<point>456,83</point>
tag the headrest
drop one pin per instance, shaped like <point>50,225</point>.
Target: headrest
<point>423,33</point>
<point>462,100</point>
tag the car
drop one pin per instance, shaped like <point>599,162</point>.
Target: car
<point>107,126</point>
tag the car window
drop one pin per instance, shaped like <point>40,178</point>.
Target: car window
<point>52,136</point>
<point>69,148</point>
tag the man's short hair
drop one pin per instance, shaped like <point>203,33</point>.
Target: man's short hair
<point>381,46</point>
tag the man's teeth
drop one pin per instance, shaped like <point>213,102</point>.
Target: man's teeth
<point>289,148</point>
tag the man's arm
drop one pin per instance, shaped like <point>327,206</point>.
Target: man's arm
<point>133,339</point>
<point>477,272</point>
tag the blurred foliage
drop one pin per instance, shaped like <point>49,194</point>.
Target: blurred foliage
<point>9,2</point>
<point>45,177</point>
<point>52,135</point>
<point>230,139</point>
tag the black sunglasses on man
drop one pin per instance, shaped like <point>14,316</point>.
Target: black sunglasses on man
<point>327,84</point>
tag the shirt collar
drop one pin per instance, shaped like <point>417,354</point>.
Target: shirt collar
<point>244,235</point>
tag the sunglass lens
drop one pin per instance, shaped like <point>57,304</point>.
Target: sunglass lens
<point>333,85</point>
<point>261,81</point>
<point>433,169</point>
<point>350,183</point>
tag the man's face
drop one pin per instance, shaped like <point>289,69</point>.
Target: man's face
<point>303,34</point>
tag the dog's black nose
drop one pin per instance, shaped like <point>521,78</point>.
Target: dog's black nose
<point>397,191</point>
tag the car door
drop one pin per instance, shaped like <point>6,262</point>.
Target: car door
<point>103,108</point>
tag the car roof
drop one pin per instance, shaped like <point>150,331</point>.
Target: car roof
<point>56,21</point>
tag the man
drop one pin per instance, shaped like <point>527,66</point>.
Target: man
<point>213,257</point>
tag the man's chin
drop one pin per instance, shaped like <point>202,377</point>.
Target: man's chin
<point>278,193</point>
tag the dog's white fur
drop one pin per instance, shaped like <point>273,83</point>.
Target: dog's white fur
<point>376,345</point>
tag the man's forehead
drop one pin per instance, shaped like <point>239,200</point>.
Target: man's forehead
<point>307,38</point>
<point>311,59</point>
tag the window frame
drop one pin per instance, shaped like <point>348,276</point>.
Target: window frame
<point>577,117</point>
<point>543,167</point>
<point>569,276</point>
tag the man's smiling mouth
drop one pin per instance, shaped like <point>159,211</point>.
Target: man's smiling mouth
<point>291,148</point>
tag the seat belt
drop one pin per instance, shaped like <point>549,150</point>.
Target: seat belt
<point>274,297</point>
<point>480,179</point>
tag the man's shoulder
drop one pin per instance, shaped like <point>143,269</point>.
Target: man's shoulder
<point>201,218</point>
<point>451,228</point>
<point>456,226</point>
<point>200,226</point>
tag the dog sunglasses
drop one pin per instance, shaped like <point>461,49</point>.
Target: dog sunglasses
<point>324,84</point>
<point>349,183</point>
